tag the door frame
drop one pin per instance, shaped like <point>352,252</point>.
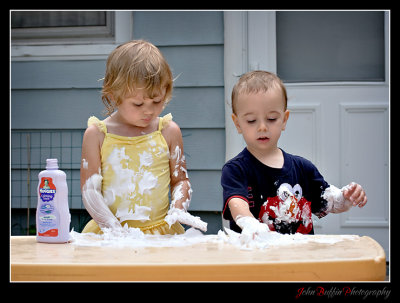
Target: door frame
<point>250,43</point>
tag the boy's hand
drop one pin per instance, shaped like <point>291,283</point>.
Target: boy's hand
<point>355,193</point>
<point>251,228</point>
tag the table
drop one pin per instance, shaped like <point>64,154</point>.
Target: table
<point>356,259</point>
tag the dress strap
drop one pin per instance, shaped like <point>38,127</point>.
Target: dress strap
<point>100,124</point>
<point>164,121</point>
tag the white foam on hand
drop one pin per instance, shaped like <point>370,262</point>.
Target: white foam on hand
<point>95,204</point>
<point>180,215</point>
<point>336,201</point>
<point>251,228</point>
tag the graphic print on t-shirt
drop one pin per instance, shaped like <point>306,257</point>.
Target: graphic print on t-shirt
<point>288,212</point>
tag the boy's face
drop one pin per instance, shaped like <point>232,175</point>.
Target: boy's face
<point>140,110</point>
<point>261,118</point>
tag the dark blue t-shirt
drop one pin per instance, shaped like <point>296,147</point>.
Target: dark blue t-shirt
<point>246,177</point>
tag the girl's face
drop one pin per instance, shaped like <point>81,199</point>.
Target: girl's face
<point>139,110</point>
<point>261,118</point>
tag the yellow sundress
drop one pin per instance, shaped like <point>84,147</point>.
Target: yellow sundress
<point>136,179</point>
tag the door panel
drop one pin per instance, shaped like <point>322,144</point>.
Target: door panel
<point>341,126</point>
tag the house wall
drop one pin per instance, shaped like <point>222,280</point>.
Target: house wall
<point>51,101</point>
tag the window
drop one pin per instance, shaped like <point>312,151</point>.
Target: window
<point>39,27</point>
<point>68,35</point>
<point>324,46</point>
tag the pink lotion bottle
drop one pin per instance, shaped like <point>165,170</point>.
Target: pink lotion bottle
<point>52,213</point>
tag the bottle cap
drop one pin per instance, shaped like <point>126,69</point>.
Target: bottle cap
<point>51,164</point>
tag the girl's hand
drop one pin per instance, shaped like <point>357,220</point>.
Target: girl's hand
<point>182,216</point>
<point>355,193</point>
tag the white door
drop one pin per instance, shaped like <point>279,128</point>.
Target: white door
<point>337,121</point>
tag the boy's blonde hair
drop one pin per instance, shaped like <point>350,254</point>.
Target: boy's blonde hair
<point>136,64</point>
<point>254,82</point>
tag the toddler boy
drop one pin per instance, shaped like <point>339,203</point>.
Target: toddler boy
<point>265,188</point>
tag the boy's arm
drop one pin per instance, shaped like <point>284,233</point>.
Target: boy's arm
<point>356,194</point>
<point>327,198</point>
<point>239,207</point>
<point>250,226</point>
<point>234,185</point>
<point>341,200</point>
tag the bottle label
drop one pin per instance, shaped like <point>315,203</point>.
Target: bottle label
<point>47,190</point>
<point>48,223</point>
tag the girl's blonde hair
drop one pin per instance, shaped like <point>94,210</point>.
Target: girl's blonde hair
<point>257,81</point>
<point>136,64</point>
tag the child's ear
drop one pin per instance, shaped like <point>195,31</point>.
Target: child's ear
<point>111,97</point>
<point>285,118</point>
<point>236,122</point>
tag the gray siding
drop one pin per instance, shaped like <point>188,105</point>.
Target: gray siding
<point>52,100</point>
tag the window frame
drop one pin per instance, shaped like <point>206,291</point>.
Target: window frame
<point>294,79</point>
<point>264,55</point>
<point>64,34</point>
<point>86,44</point>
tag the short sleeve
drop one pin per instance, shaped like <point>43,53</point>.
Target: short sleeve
<point>100,124</point>
<point>234,184</point>
<point>165,120</point>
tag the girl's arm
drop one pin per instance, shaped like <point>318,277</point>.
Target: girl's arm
<point>91,180</point>
<point>91,146</point>
<point>181,190</point>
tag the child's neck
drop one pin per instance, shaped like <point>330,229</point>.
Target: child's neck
<point>272,158</point>
<point>116,125</point>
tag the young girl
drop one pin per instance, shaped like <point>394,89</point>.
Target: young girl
<point>132,158</point>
